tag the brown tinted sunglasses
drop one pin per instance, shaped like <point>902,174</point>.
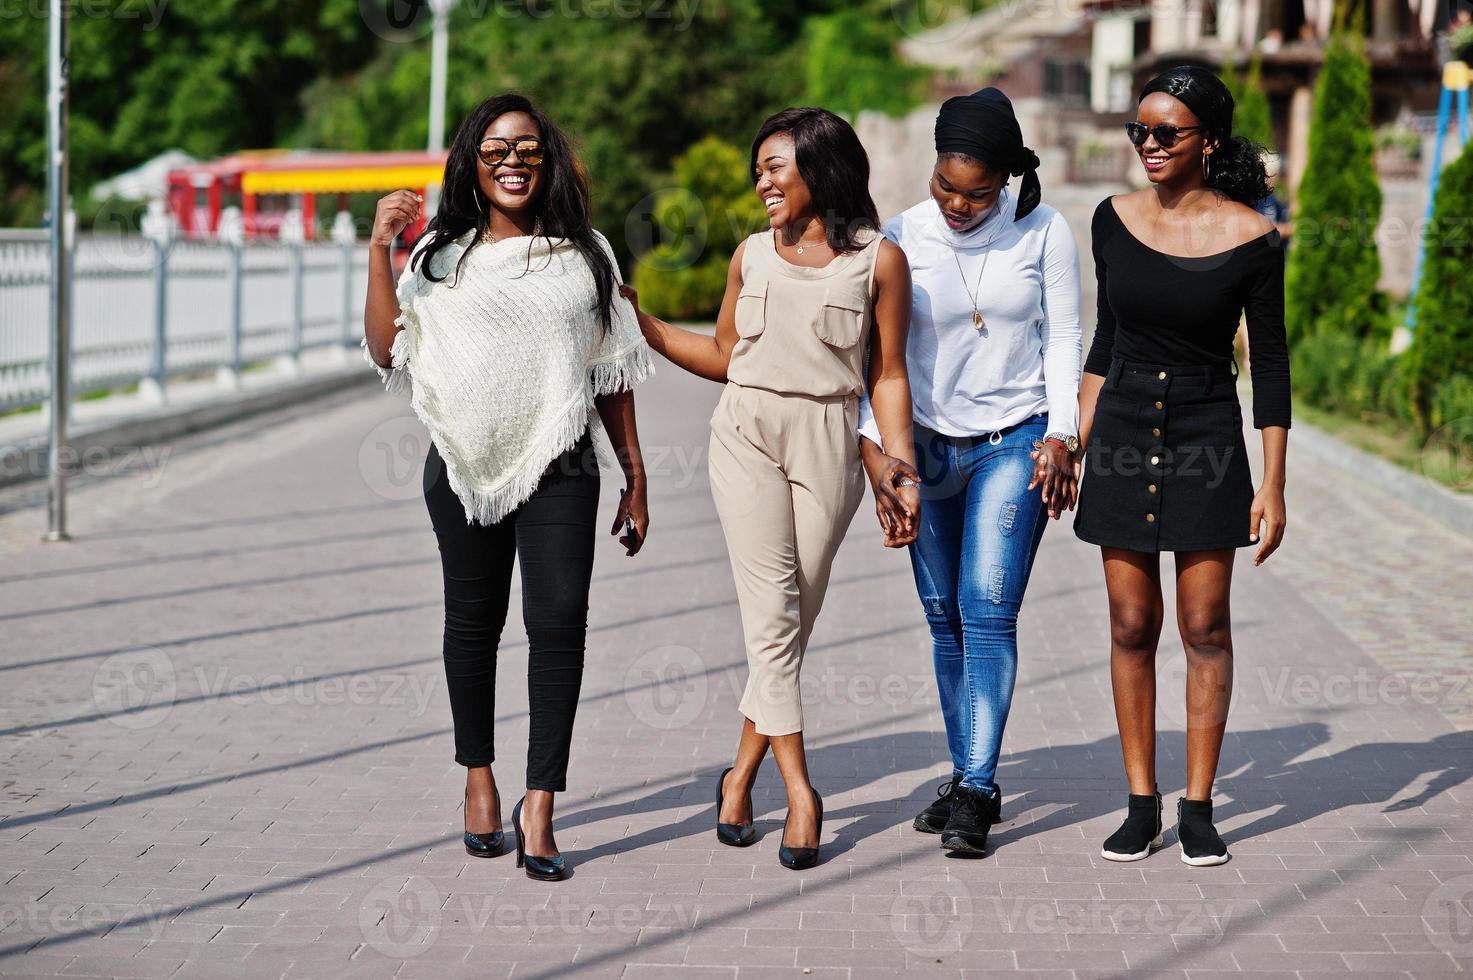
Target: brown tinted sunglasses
<point>528,149</point>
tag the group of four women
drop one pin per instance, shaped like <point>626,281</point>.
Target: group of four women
<point>938,354</point>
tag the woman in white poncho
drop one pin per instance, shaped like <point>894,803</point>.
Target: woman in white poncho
<point>508,331</point>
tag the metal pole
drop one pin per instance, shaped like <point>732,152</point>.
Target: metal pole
<point>56,195</point>
<point>298,283</point>
<point>439,54</point>
<point>235,312</point>
<point>160,313</point>
<point>439,58</point>
<point>347,259</point>
<point>1455,79</point>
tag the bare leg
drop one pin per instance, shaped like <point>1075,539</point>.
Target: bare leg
<point>1133,581</point>
<point>736,799</point>
<point>482,815</point>
<point>1203,583</point>
<point>792,762</point>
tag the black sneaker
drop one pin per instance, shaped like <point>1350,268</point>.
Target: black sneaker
<point>932,820</point>
<point>972,816</point>
<point>1200,845</point>
<point>1141,832</point>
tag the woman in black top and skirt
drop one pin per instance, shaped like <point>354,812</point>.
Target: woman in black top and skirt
<point>1165,465</point>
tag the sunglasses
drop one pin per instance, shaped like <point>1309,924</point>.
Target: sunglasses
<point>528,150</point>
<point>1166,136</point>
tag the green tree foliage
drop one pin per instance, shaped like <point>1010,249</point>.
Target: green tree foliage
<point>1333,265</point>
<point>1252,117</point>
<point>697,223</point>
<point>216,76</point>
<point>207,76</point>
<point>850,65</point>
<point>1441,354</point>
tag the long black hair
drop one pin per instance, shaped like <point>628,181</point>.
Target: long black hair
<point>833,164</point>
<point>1236,165</point>
<point>562,207</point>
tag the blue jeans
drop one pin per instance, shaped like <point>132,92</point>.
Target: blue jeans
<point>980,528</point>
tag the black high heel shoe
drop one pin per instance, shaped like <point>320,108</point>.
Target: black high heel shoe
<point>485,845</point>
<point>799,858</point>
<point>540,868</point>
<point>732,834</point>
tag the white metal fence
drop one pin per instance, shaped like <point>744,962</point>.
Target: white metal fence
<point>142,309</point>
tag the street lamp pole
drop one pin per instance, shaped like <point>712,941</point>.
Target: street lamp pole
<point>60,315</point>
<point>439,55</point>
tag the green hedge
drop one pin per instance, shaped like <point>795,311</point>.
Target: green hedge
<point>1440,361</point>
<point>1333,270</point>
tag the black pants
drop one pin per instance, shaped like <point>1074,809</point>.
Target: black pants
<point>552,534</point>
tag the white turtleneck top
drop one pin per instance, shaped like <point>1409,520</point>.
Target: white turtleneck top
<point>1026,360</point>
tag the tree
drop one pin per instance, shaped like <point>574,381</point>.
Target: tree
<point>697,223</point>
<point>1442,344</point>
<point>850,64</point>
<point>1333,264</point>
<point>1252,117</point>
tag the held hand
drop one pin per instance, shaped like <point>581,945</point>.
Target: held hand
<point>1057,472</point>
<point>394,213</point>
<point>1270,517</point>
<point>634,506</point>
<point>897,507</point>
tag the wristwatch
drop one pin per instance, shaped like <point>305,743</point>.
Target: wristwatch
<point>1071,443</point>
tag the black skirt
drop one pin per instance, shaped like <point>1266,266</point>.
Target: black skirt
<point>1166,468</point>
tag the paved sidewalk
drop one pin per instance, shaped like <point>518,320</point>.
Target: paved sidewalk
<point>226,747</point>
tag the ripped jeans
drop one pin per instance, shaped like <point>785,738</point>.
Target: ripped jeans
<point>980,528</point>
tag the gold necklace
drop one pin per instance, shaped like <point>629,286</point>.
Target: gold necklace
<point>978,323</point>
<point>488,238</point>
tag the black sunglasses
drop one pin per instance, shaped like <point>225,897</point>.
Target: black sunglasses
<point>1166,136</point>
<point>528,149</point>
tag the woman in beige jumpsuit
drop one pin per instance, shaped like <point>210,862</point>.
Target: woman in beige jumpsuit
<point>805,301</point>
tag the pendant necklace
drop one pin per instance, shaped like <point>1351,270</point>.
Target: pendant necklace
<point>978,323</point>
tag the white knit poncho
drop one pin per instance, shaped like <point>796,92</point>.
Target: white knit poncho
<point>503,363</point>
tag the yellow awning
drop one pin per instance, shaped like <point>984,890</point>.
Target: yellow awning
<point>345,180</point>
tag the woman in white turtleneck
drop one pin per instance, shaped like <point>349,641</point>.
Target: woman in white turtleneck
<point>994,363</point>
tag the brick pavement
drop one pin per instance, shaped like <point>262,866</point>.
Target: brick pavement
<point>226,746</point>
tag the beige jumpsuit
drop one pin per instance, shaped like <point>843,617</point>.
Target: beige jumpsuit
<point>784,456</point>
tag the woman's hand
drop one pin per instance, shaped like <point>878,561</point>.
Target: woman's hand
<point>898,508</point>
<point>633,505</point>
<point>1270,516</point>
<point>395,212</point>
<point>631,294</point>
<point>1057,471</point>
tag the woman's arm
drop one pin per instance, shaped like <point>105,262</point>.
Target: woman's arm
<point>381,308</point>
<point>1062,345</point>
<point>617,412</point>
<point>1268,358</point>
<point>899,508</point>
<point>700,354</point>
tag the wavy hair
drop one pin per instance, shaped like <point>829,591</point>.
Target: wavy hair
<point>563,206</point>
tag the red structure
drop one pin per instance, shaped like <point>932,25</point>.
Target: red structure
<point>266,183</point>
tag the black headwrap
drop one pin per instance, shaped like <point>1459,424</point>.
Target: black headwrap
<point>982,126</point>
